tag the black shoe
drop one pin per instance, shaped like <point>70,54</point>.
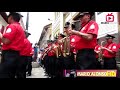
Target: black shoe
<point>28,74</point>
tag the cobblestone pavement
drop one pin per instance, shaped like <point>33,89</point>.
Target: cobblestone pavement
<point>37,73</point>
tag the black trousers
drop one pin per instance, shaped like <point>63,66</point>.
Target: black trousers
<point>60,66</point>
<point>46,61</point>
<point>52,66</point>
<point>29,64</point>
<point>69,62</point>
<point>21,68</point>
<point>73,63</point>
<point>9,63</point>
<point>109,63</point>
<point>86,59</point>
<point>98,64</point>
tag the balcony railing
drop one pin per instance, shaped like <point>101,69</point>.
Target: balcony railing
<point>56,23</point>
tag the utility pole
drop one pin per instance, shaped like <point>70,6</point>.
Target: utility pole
<point>27,21</point>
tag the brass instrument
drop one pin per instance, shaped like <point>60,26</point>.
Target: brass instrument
<point>45,53</point>
<point>56,49</point>
<point>100,54</point>
<point>64,47</point>
<point>59,48</point>
<point>66,44</point>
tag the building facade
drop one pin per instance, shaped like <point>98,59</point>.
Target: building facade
<point>45,35</point>
<point>3,21</point>
<point>61,17</point>
<point>59,21</point>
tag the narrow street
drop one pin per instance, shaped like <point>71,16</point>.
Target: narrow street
<point>65,43</point>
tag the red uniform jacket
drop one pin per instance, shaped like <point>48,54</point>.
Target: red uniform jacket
<point>32,51</point>
<point>113,47</point>
<point>89,28</point>
<point>26,50</point>
<point>51,52</point>
<point>73,42</point>
<point>15,33</point>
<point>97,48</point>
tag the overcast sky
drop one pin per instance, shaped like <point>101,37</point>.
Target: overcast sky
<point>37,20</point>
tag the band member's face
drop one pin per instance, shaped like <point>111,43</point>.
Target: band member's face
<point>10,19</point>
<point>59,37</point>
<point>109,40</point>
<point>84,18</point>
<point>66,29</point>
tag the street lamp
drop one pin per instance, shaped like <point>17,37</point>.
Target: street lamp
<point>49,19</point>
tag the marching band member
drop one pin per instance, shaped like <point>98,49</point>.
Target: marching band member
<point>97,52</point>
<point>73,49</point>
<point>87,37</point>
<point>70,60</point>
<point>30,59</point>
<point>109,53</point>
<point>13,41</point>
<point>60,56</point>
<point>58,64</point>
<point>45,57</point>
<point>24,58</point>
<point>72,43</point>
<point>52,61</point>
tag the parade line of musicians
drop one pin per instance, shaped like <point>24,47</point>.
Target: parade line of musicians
<point>71,50</point>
